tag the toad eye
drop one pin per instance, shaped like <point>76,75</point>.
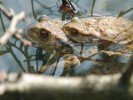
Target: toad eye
<point>44,33</point>
<point>74,32</point>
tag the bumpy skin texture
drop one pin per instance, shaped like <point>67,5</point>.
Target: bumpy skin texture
<point>47,34</point>
<point>99,29</point>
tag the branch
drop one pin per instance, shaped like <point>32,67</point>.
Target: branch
<point>8,14</point>
<point>62,88</point>
<point>12,28</point>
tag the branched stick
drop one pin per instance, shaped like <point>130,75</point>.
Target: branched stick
<point>12,28</point>
<point>8,14</point>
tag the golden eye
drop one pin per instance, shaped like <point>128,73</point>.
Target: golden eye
<point>44,33</point>
<point>74,32</point>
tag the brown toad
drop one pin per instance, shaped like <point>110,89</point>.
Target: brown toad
<point>105,30</point>
<point>48,34</point>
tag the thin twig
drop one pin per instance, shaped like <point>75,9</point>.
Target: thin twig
<point>14,56</point>
<point>124,12</point>
<point>92,9</point>
<point>33,11</point>
<point>71,5</point>
<point>3,26</point>
<point>24,52</point>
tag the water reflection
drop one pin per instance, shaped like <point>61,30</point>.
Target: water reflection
<point>31,59</point>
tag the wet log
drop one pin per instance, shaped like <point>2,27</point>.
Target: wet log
<point>93,87</point>
<point>36,87</point>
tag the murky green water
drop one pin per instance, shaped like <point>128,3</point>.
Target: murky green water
<point>15,57</point>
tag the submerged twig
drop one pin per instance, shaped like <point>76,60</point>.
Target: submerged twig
<point>124,12</point>
<point>33,11</point>
<point>92,8</point>
<point>3,26</point>
<point>126,76</point>
<point>16,59</point>
<point>13,31</point>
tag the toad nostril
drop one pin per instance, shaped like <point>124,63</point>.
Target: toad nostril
<point>33,29</point>
<point>66,28</point>
<point>63,43</point>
